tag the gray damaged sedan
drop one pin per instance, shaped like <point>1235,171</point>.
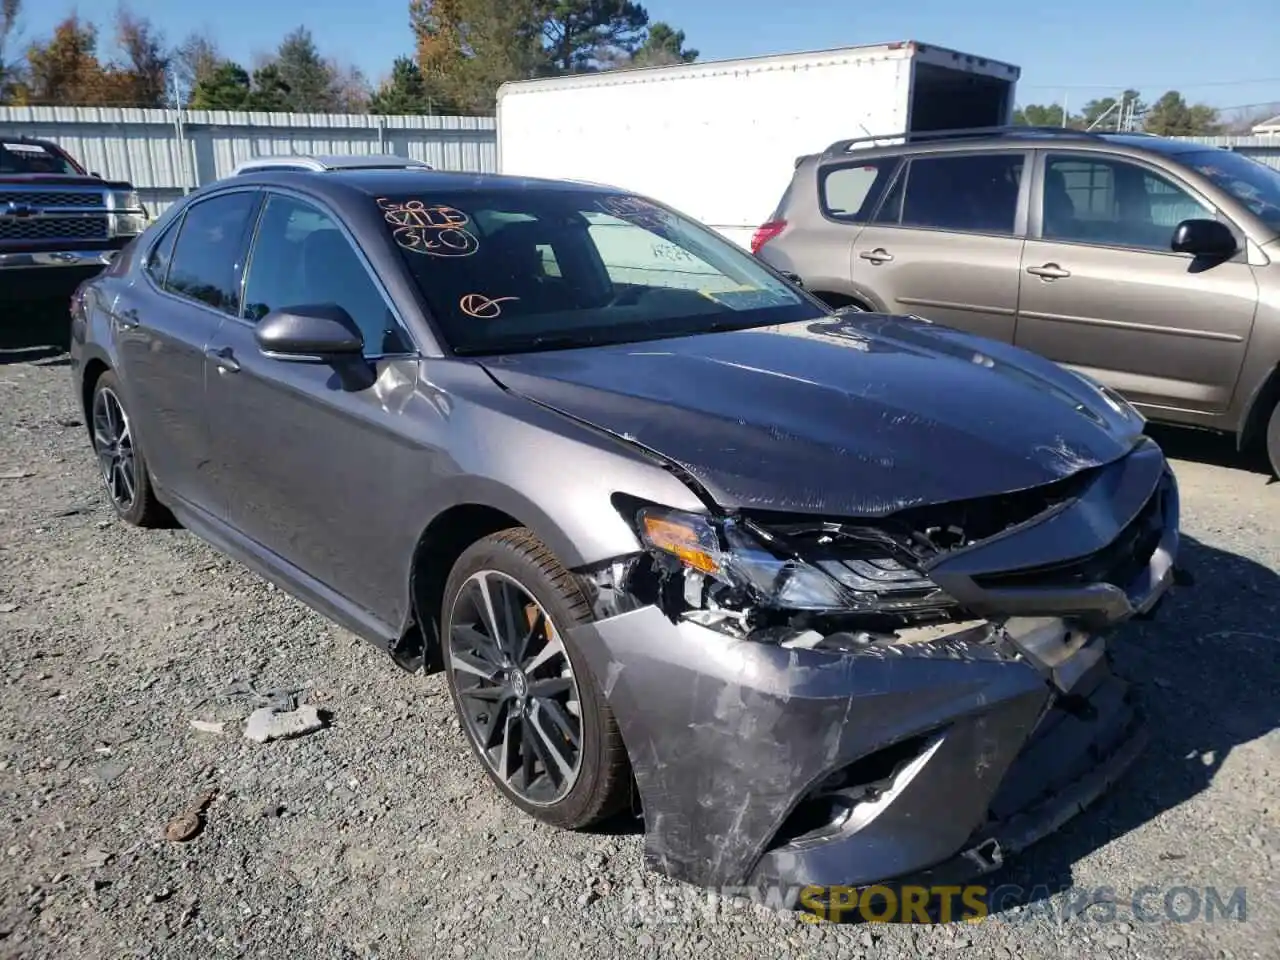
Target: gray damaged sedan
<point>823,596</point>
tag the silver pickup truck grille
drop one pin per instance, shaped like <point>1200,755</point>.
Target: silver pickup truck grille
<point>91,199</point>
<point>45,215</point>
<point>54,228</point>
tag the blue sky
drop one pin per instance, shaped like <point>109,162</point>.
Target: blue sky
<point>1080,49</point>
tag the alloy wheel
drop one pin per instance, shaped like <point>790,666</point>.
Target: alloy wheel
<point>113,442</point>
<point>515,686</point>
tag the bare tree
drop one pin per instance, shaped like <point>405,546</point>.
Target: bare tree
<point>10,70</point>
<point>196,60</point>
<point>351,88</point>
<point>146,60</point>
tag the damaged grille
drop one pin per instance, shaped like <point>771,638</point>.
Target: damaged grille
<point>1118,563</point>
<point>946,526</point>
<point>922,533</point>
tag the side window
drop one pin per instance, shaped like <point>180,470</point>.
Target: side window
<point>849,192</point>
<point>206,256</point>
<point>1112,203</point>
<point>970,193</point>
<point>157,265</point>
<point>300,256</point>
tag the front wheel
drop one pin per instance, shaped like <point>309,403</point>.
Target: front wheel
<point>526,700</point>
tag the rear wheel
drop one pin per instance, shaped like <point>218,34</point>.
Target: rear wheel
<point>120,461</point>
<point>1273,439</point>
<point>529,706</point>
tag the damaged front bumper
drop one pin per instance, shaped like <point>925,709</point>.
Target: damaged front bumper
<point>776,764</point>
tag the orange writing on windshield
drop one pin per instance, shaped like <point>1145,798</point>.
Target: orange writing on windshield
<point>481,307</point>
<point>433,229</point>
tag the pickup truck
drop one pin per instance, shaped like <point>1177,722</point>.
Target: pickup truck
<point>59,225</point>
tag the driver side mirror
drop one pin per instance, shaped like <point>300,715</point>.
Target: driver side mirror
<point>311,333</point>
<point>1204,238</point>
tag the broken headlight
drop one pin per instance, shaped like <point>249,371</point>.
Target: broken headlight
<point>745,558</point>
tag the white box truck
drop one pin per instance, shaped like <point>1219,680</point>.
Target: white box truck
<point>719,140</point>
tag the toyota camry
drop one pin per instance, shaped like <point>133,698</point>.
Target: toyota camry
<point>824,597</point>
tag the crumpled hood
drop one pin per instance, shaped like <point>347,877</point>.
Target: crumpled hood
<point>857,415</point>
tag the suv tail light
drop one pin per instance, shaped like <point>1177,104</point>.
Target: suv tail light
<point>766,232</point>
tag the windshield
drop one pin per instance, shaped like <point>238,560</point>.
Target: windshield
<point>517,270</point>
<point>33,158</point>
<point>1254,184</point>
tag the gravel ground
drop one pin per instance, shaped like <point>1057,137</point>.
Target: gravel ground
<point>380,837</point>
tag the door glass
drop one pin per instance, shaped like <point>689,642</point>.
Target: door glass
<point>971,193</point>
<point>162,253</point>
<point>849,192</point>
<point>207,255</point>
<point>300,256</point>
<point>1113,203</point>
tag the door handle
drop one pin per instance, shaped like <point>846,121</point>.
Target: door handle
<point>224,359</point>
<point>878,255</point>
<point>1050,271</point>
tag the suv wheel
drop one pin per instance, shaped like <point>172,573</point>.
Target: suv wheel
<point>120,460</point>
<point>532,712</point>
<point>1273,439</point>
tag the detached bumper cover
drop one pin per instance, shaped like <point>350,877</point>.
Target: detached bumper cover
<point>1000,732</point>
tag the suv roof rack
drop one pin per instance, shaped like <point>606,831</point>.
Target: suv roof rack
<point>963,133</point>
<point>376,161</point>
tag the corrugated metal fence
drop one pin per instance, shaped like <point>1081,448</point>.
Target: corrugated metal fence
<point>1264,149</point>
<point>147,147</point>
<point>163,160</point>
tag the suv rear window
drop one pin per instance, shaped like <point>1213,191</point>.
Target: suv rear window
<point>850,191</point>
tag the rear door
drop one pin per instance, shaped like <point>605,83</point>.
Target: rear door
<point>816,224</point>
<point>1102,290</point>
<point>946,242</point>
<point>165,321</point>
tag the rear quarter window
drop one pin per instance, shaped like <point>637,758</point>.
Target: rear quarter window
<point>850,191</point>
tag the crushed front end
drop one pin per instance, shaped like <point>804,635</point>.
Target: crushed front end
<point>843,703</point>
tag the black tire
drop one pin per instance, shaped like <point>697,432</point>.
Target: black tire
<point>1273,439</point>
<point>603,779</point>
<point>142,509</point>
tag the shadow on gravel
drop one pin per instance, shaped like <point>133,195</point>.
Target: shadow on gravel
<point>1208,667</point>
<point>1205,446</point>
<point>35,331</point>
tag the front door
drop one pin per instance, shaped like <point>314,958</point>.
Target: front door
<point>164,324</point>
<point>310,457</point>
<point>946,243</point>
<point>1103,292</point>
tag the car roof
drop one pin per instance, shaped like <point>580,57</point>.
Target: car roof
<point>984,137</point>
<point>329,162</point>
<point>1155,144</point>
<point>402,181</point>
